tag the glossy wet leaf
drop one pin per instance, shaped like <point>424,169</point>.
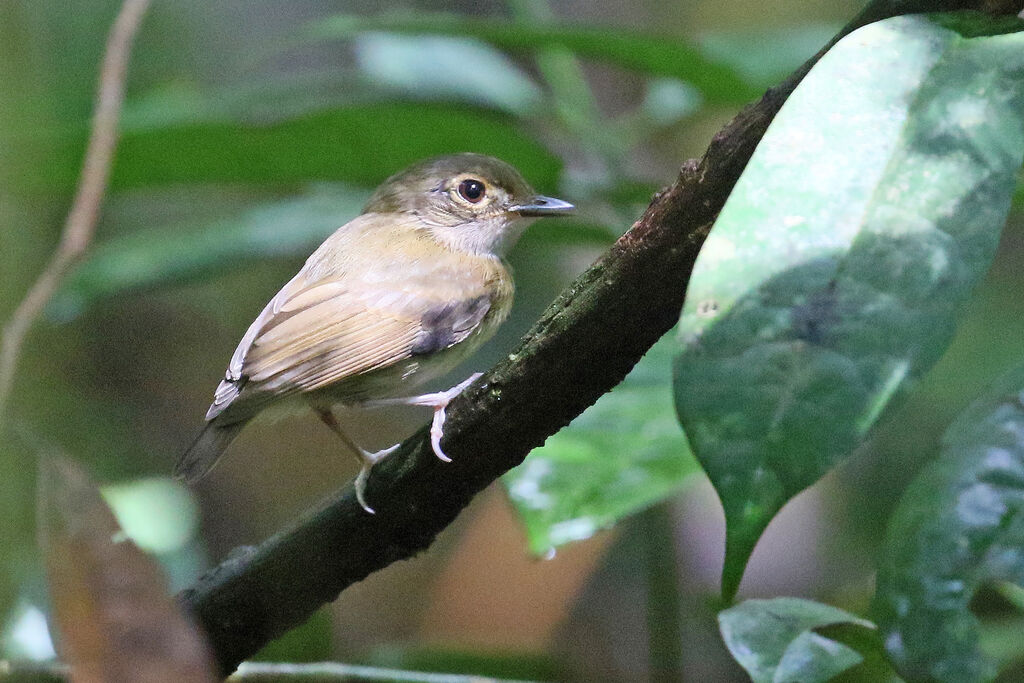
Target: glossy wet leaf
<point>115,620</point>
<point>958,525</point>
<point>659,55</point>
<point>167,254</point>
<point>775,642</point>
<point>832,278</point>
<point>621,455</point>
<point>362,143</point>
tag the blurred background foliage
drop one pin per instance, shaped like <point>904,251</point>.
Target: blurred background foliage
<point>251,130</point>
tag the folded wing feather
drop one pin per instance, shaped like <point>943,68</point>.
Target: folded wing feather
<point>312,335</point>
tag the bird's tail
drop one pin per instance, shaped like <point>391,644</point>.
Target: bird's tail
<point>206,450</point>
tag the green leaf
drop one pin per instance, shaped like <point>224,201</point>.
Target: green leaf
<point>958,525</point>
<point>264,101</point>
<point>386,64</point>
<point>867,214</point>
<point>447,665</point>
<point>26,636</point>
<point>623,454</point>
<point>310,642</point>
<point>775,642</point>
<point>362,143</point>
<point>439,67</point>
<point>656,55</point>
<point>159,515</point>
<point>765,55</point>
<point>668,100</point>
<point>168,254</point>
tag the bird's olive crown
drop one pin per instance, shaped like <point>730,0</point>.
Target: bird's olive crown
<point>462,185</point>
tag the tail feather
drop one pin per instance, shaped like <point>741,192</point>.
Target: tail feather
<point>206,450</point>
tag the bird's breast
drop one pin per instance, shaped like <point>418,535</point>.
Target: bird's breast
<point>460,306</point>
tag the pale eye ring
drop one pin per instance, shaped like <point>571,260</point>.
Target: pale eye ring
<point>472,190</point>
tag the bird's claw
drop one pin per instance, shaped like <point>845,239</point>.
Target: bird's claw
<point>369,460</point>
<point>440,401</point>
<point>436,432</point>
<point>360,486</point>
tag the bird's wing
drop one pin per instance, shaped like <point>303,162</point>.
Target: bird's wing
<point>315,334</point>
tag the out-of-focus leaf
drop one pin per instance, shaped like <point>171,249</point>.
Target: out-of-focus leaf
<point>158,515</point>
<point>766,55</point>
<point>115,619</point>
<point>268,100</point>
<point>463,69</point>
<point>1012,593</point>
<point>833,275</point>
<point>438,661</point>
<point>959,524</point>
<point>309,642</point>
<point>1002,640</point>
<point>669,100</point>
<point>26,636</point>
<point>657,55</point>
<point>774,640</point>
<point>385,66</point>
<point>583,232</point>
<point>363,144</point>
<point>168,254</point>
<point>623,454</point>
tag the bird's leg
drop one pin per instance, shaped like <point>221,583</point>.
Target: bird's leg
<point>366,458</point>
<point>438,401</point>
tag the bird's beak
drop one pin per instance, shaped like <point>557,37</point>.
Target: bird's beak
<point>543,206</point>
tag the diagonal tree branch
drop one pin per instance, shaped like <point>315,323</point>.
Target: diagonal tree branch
<point>585,343</point>
<point>85,209</point>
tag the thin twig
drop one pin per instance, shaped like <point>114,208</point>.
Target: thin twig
<point>81,221</point>
<point>664,609</point>
<point>325,672</point>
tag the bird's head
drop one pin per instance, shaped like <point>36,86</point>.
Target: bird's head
<point>468,202</point>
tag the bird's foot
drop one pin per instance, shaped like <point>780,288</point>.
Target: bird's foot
<point>439,401</point>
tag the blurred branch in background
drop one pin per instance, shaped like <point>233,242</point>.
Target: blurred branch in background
<point>583,346</point>
<point>664,602</point>
<point>81,220</point>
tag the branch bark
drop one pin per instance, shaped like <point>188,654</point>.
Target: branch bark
<point>85,209</point>
<point>585,343</point>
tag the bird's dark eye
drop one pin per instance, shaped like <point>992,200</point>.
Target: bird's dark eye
<point>472,190</point>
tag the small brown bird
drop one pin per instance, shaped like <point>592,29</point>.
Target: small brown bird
<point>395,297</point>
